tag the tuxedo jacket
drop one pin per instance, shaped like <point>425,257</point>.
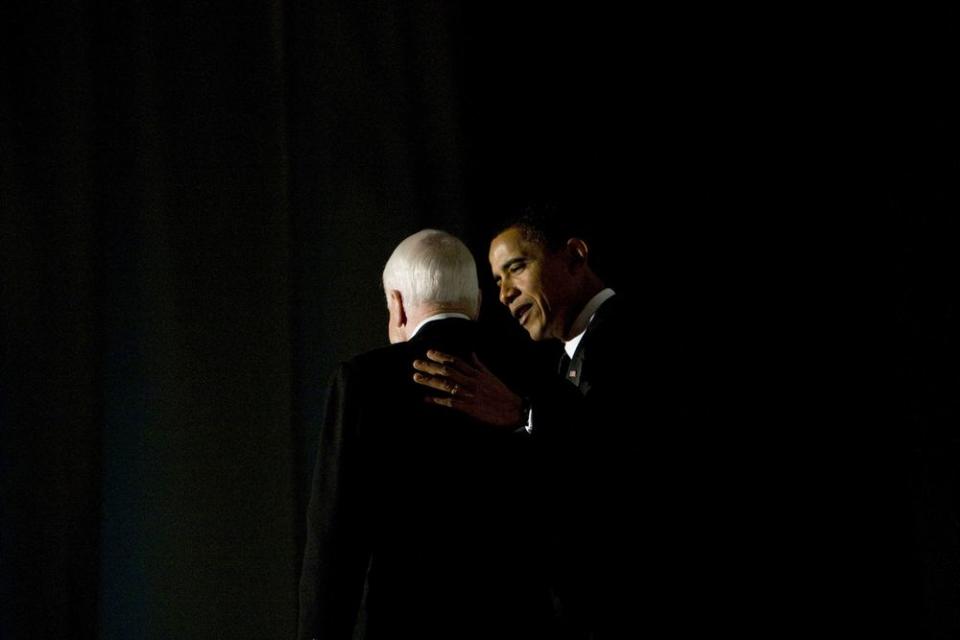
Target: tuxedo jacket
<point>421,523</point>
<point>597,432</point>
<point>657,518</point>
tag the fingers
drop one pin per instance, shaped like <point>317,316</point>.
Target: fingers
<point>451,361</point>
<point>441,370</point>
<point>459,403</point>
<point>441,357</point>
<point>445,373</point>
<point>440,400</point>
<point>434,383</point>
<point>432,368</point>
<point>443,384</point>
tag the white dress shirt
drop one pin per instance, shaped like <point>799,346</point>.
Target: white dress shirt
<point>439,316</point>
<point>578,329</point>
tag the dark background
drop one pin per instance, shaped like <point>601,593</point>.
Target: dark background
<point>196,203</point>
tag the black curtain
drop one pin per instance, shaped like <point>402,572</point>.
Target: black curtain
<point>150,485</point>
<point>924,394</point>
<point>196,203</point>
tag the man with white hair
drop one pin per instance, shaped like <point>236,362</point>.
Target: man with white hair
<point>419,523</point>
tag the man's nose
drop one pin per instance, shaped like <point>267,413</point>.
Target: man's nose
<point>507,293</point>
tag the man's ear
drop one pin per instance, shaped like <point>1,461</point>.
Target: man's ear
<point>577,252</point>
<point>476,315</point>
<point>398,315</point>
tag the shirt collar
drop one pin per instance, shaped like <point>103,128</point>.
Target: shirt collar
<point>583,320</point>
<point>439,316</point>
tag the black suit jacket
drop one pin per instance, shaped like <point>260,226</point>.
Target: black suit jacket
<point>420,523</point>
<point>599,439</point>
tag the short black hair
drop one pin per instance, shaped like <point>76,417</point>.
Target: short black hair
<point>549,224</point>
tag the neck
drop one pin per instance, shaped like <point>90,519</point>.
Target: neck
<point>422,312</point>
<point>591,287</point>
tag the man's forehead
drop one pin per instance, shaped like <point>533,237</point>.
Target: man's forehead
<point>512,240</point>
<point>508,247</point>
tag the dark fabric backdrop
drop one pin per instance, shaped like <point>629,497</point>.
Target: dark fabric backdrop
<point>196,202</point>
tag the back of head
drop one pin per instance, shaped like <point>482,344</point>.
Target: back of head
<point>434,268</point>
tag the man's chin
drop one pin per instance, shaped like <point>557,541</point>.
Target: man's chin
<point>535,333</point>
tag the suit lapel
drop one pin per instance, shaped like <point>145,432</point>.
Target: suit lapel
<point>575,371</point>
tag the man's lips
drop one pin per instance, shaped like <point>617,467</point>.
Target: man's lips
<point>521,312</point>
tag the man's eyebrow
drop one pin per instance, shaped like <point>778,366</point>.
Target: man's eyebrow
<point>506,265</point>
<point>512,261</point>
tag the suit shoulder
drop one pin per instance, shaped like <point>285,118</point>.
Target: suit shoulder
<point>610,322</point>
<point>614,309</point>
<point>376,359</point>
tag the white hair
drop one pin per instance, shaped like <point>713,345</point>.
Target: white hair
<point>436,268</point>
